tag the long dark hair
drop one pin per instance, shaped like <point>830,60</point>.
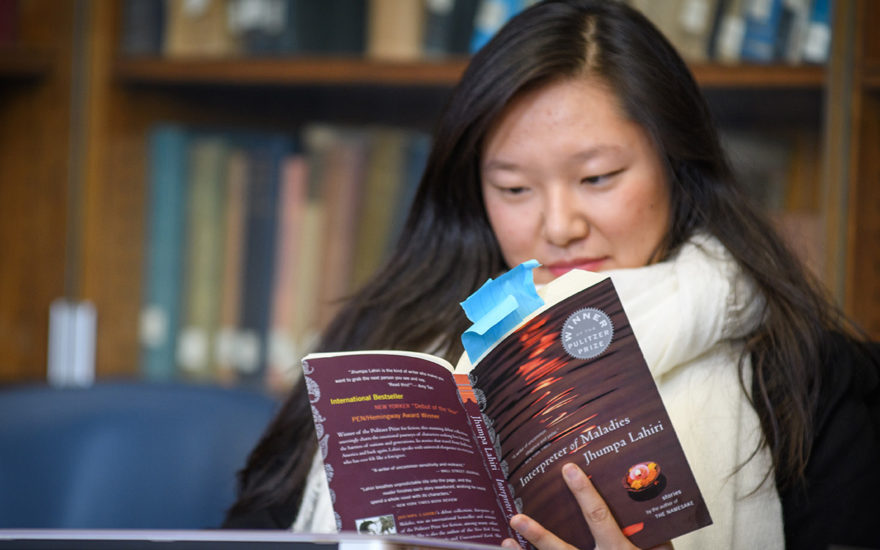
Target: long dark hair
<point>447,248</point>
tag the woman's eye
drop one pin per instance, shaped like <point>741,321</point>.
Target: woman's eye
<point>593,180</point>
<point>514,190</point>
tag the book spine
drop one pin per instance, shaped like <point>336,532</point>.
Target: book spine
<point>225,346</point>
<point>491,16</point>
<point>203,265</point>
<point>383,179</point>
<point>817,38</point>
<point>395,30</point>
<point>143,23</point>
<point>438,27</point>
<point>762,31</point>
<point>489,447</point>
<point>283,370</point>
<point>266,155</point>
<point>199,29</point>
<point>168,146</point>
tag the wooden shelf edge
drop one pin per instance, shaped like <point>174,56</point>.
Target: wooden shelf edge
<point>18,62</point>
<point>350,71</point>
<point>288,72</point>
<point>711,75</point>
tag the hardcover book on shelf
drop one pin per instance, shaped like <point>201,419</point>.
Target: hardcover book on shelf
<point>283,369</point>
<point>817,37</point>
<point>491,15</point>
<point>166,219</point>
<point>449,25</point>
<point>143,25</point>
<point>203,261</point>
<point>686,23</point>
<point>342,179</point>
<point>761,35</point>
<point>266,154</point>
<point>199,29</point>
<point>383,179</point>
<point>417,447</point>
<point>395,30</point>
<point>225,344</point>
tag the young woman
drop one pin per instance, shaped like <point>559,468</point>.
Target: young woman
<point>578,137</point>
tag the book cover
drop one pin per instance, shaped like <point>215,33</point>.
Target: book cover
<point>166,219</point>
<point>411,445</point>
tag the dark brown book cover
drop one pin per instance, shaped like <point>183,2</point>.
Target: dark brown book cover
<point>411,448</point>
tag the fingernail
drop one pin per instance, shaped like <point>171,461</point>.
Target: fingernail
<point>570,471</point>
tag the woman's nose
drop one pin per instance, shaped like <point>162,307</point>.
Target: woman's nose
<point>564,220</point>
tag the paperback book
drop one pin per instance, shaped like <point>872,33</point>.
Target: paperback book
<point>415,446</point>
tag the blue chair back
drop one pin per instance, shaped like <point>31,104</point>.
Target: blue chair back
<point>124,455</point>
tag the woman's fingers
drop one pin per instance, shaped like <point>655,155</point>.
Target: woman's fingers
<point>536,534</point>
<point>606,533</point>
<point>602,524</point>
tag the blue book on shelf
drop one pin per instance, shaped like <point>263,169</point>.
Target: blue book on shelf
<point>763,23</point>
<point>166,226</point>
<point>492,15</point>
<point>817,40</point>
<point>265,156</point>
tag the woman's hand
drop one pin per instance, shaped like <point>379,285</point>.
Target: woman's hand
<point>602,524</point>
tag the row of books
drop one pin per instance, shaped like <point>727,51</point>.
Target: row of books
<point>745,31</point>
<point>727,31</point>
<point>253,238</point>
<point>381,29</point>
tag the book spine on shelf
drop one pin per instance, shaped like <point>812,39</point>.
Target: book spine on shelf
<point>143,26</point>
<point>203,264</point>
<point>266,154</point>
<point>763,21</point>
<point>166,218</point>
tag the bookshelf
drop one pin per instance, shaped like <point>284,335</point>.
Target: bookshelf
<point>74,226</point>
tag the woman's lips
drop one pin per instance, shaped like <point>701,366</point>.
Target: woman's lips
<point>558,269</point>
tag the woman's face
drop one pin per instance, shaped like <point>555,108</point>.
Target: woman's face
<point>569,181</point>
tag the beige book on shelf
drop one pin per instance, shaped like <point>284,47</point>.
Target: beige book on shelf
<point>203,263</point>
<point>342,187</point>
<point>233,266</point>
<point>395,29</point>
<point>199,28</point>
<point>384,178</point>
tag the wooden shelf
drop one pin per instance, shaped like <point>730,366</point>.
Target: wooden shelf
<point>23,63</point>
<point>288,72</point>
<point>348,71</point>
<point>746,76</point>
